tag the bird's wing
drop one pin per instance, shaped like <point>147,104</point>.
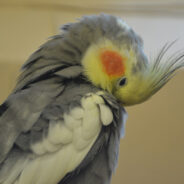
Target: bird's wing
<point>41,81</point>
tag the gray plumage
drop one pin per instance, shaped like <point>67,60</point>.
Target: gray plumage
<point>52,83</point>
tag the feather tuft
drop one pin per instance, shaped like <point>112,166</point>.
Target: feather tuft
<point>163,69</point>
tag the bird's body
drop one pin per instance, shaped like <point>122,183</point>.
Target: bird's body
<point>63,122</point>
<point>63,135</point>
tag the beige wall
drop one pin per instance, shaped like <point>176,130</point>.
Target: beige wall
<point>153,149</point>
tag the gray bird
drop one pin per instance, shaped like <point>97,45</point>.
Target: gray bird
<point>63,121</point>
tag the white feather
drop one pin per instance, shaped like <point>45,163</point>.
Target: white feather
<point>79,142</point>
<point>88,103</point>
<point>105,114</point>
<point>38,148</point>
<point>123,24</point>
<point>98,99</point>
<point>71,122</point>
<point>59,133</point>
<point>49,146</point>
<point>77,113</point>
<point>91,122</point>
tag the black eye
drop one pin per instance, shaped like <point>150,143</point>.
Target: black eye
<point>123,81</point>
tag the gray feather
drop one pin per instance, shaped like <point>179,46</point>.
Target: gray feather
<point>70,72</point>
<point>24,108</point>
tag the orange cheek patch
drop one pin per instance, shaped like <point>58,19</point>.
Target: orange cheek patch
<point>112,63</point>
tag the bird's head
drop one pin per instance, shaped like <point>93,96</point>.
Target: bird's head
<point>120,70</point>
<point>114,60</point>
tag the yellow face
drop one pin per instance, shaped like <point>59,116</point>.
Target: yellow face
<point>134,92</point>
<point>111,68</point>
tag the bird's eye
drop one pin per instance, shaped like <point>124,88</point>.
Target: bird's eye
<point>122,81</point>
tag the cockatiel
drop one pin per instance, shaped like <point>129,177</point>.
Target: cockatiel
<point>63,122</point>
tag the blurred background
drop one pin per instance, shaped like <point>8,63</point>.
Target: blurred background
<point>153,148</point>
